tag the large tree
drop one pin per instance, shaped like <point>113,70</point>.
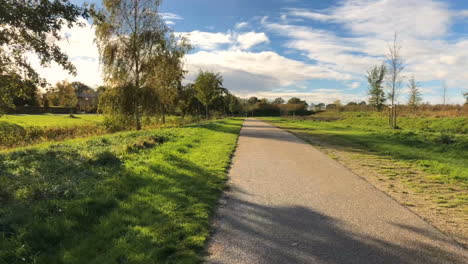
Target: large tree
<point>32,27</point>
<point>131,36</point>
<point>375,78</point>
<point>208,87</point>
<point>168,71</point>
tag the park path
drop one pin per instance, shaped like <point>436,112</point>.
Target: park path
<point>290,203</point>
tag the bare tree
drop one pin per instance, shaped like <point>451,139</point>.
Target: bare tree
<point>395,78</point>
<point>444,93</point>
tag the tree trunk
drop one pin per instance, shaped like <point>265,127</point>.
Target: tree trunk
<point>163,115</point>
<point>137,120</point>
<point>390,111</point>
<point>206,111</point>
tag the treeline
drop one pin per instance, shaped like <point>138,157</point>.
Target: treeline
<point>76,96</point>
<point>278,107</point>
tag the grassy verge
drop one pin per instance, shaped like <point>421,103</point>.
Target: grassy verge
<point>434,152</point>
<point>134,197</point>
<point>422,170</point>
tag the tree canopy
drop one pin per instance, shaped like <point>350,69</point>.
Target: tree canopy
<point>208,87</point>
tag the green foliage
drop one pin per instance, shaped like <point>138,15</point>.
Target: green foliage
<point>66,94</point>
<point>279,100</point>
<point>134,197</point>
<point>12,87</point>
<point>141,59</point>
<point>375,78</point>
<point>415,95</point>
<point>31,26</point>
<point>208,87</point>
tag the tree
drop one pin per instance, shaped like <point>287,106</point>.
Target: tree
<point>66,94</point>
<point>252,100</point>
<point>295,100</point>
<point>295,105</point>
<point>414,94</point>
<point>208,87</point>
<point>168,72</point>
<point>30,27</point>
<point>279,100</point>
<point>320,106</point>
<point>376,93</point>
<point>466,97</point>
<point>234,104</point>
<point>131,36</point>
<point>395,78</point>
<point>33,26</point>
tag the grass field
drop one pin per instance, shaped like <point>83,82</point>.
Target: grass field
<point>436,145</point>
<point>49,120</point>
<point>23,130</point>
<point>133,197</point>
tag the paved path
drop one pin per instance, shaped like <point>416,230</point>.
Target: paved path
<point>289,203</point>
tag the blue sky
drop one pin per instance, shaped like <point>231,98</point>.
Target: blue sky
<point>318,50</point>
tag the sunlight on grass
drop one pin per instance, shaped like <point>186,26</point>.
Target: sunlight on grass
<point>134,197</point>
<point>429,151</point>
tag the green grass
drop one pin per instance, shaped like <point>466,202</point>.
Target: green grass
<point>435,152</point>
<point>133,197</point>
<point>373,120</point>
<point>23,130</point>
<point>50,120</point>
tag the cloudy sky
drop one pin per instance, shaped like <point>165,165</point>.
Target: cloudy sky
<point>318,50</point>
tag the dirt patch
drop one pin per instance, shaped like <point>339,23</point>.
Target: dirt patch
<point>444,205</point>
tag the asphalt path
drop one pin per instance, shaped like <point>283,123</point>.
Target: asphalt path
<point>290,203</point>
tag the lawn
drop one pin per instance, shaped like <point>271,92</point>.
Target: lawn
<point>23,130</point>
<point>441,150</point>
<point>50,120</point>
<point>132,197</point>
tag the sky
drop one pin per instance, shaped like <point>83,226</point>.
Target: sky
<point>318,50</point>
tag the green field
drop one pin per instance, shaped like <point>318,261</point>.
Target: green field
<point>50,120</point>
<point>133,197</point>
<point>23,130</point>
<point>436,145</point>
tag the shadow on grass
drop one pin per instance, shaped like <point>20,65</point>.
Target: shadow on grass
<point>295,234</point>
<point>60,205</point>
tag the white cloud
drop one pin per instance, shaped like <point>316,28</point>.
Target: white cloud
<point>257,71</point>
<point>250,39</point>
<point>170,16</point>
<point>354,85</point>
<point>241,25</point>
<point>215,41</point>
<point>208,40</point>
<point>422,18</point>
